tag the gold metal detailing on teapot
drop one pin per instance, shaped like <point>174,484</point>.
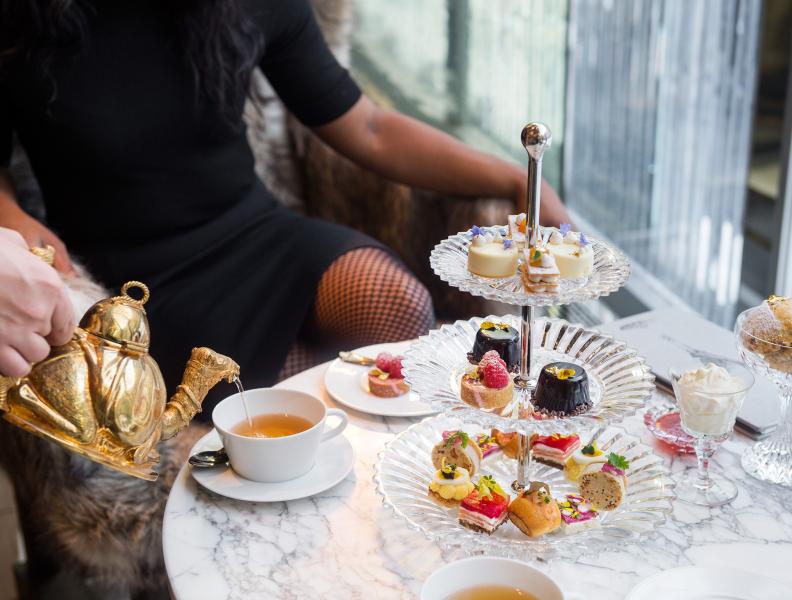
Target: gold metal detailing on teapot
<point>102,395</point>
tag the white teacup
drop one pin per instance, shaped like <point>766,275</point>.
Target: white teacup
<point>272,460</point>
<point>469,573</point>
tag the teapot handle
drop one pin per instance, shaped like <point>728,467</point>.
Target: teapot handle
<point>45,253</point>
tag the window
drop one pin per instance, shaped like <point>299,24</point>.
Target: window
<point>651,104</point>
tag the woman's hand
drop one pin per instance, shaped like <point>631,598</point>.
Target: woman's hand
<point>35,310</point>
<point>34,233</point>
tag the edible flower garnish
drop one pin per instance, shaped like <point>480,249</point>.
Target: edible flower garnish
<point>564,228</point>
<point>447,471</point>
<point>487,485</point>
<point>457,438</point>
<point>618,461</point>
<point>561,373</point>
<point>583,241</point>
<point>476,230</point>
<point>507,244</point>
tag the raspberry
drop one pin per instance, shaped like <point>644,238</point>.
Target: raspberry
<point>491,357</point>
<point>396,367</point>
<point>383,361</point>
<point>495,375</point>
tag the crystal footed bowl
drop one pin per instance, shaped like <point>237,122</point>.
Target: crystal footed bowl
<point>620,381</point>
<point>449,262</point>
<point>764,341</point>
<point>404,470</point>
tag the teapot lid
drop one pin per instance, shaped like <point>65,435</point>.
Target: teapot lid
<point>121,319</point>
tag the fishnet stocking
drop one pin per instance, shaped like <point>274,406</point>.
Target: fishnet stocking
<point>365,297</point>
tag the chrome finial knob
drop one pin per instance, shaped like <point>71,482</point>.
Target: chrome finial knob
<point>536,138</point>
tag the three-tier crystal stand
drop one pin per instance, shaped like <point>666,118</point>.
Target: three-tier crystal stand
<point>620,382</point>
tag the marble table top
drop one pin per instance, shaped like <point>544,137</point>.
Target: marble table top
<point>344,544</point>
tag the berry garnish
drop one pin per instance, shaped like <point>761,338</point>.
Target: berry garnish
<point>383,361</point>
<point>396,367</point>
<point>495,375</point>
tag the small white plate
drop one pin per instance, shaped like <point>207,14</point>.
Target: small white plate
<point>333,463</point>
<point>700,583</point>
<point>347,384</point>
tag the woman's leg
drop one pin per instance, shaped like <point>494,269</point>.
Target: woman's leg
<point>366,296</point>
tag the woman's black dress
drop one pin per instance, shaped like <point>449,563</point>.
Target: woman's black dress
<point>142,182</point>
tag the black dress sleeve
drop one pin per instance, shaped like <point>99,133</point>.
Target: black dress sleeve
<point>5,130</point>
<point>300,66</point>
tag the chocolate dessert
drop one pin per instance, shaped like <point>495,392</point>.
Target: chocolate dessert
<point>502,338</point>
<point>562,390</point>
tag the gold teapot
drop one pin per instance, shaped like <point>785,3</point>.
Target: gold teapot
<point>102,394</point>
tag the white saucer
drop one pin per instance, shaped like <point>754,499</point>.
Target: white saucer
<point>347,384</point>
<point>333,463</point>
<point>700,583</point>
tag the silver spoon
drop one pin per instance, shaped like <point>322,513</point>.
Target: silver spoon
<point>209,458</point>
<point>355,359</point>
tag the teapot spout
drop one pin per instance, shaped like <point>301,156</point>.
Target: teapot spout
<point>204,370</point>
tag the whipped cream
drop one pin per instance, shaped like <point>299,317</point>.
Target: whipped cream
<point>556,237</point>
<point>709,399</point>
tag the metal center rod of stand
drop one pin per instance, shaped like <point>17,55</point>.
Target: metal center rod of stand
<point>536,138</point>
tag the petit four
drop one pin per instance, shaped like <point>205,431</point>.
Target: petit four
<point>502,338</point>
<point>562,389</point>
<point>580,459</point>
<point>485,508</point>
<point>576,514</point>
<point>554,450</point>
<point>449,485</point>
<point>604,485</point>
<point>508,442</point>
<point>385,379</point>
<point>459,449</point>
<point>572,252</point>
<point>540,274</point>
<point>487,444</point>
<point>489,255</point>
<point>489,386</point>
<point>517,229</point>
<point>767,331</point>
<point>534,511</point>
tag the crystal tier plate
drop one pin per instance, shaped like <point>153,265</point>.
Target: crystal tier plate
<point>449,261</point>
<point>620,382</point>
<point>405,468</point>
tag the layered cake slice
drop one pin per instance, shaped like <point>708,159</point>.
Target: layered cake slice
<point>576,514</point>
<point>540,274</point>
<point>554,450</point>
<point>604,485</point>
<point>485,508</point>
<point>489,386</point>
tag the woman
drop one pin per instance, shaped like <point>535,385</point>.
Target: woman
<point>130,112</point>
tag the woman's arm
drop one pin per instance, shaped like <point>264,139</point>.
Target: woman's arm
<point>34,233</point>
<point>410,152</point>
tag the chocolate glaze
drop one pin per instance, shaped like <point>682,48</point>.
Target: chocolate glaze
<point>562,397</point>
<point>506,342</point>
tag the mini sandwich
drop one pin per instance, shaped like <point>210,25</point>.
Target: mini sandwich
<point>605,486</point>
<point>577,515</point>
<point>534,511</point>
<point>509,442</point>
<point>449,485</point>
<point>554,450</point>
<point>517,228</point>
<point>457,448</point>
<point>485,508</point>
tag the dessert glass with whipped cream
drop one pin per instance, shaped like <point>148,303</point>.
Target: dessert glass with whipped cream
<point>709,398</point>
<point>764,341</point>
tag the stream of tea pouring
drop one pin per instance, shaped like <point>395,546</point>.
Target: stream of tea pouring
<point>241,390</point>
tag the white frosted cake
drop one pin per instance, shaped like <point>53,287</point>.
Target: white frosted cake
<point>572,252</point>
<point>489,255</point>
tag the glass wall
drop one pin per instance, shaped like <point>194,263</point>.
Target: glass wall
<point>650,103</point>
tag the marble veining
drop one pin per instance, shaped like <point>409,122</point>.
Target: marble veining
<point>344,544</point>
